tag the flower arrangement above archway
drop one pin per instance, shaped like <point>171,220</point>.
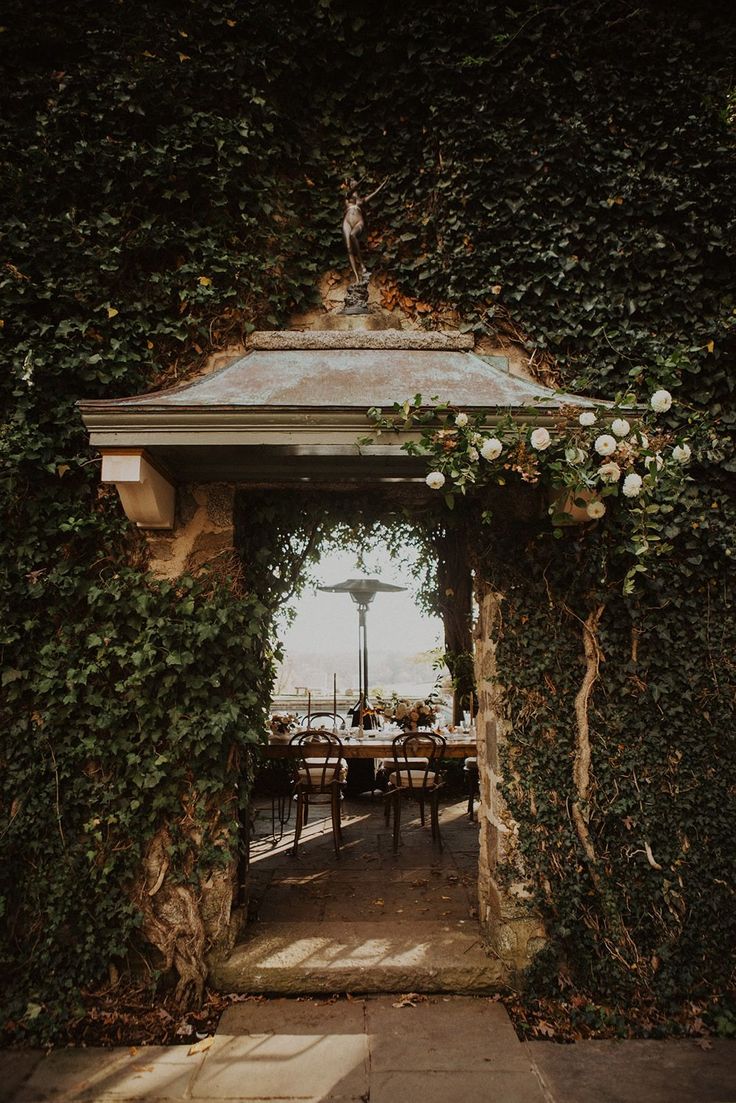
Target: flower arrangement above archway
<point>615,464</point>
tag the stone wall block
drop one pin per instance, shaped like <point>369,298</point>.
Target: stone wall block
<point>220,505</point>
<point>203,537</point>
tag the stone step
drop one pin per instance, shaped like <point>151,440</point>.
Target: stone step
<point>307,958</point>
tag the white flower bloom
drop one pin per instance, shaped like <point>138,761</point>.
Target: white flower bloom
<point>461,421</point>
<point>632,485</point>
<point>620,427</point>
<point>605,445</point>
<point>435,480</point>
<point>681,453</point>
<point>473,454</point>
<point>655,460</point>
<point>661,401</point>
<point>476,439</point>
<point>540,439</point>
<point>587,418</point>
<point>595,509</point>
<point>575,455</point>
<point>491,449</point>
<point>610,472</point>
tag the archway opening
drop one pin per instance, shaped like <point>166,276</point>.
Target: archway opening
<point>413,908</point>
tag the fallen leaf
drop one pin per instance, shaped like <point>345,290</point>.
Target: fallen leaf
<point>184,57</point>
<point>201,1047</point>
<point>205,281</point>
<point>112,311</point>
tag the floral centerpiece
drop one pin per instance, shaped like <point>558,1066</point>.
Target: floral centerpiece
<point>283,723</point>
<point>611,460</point>
<point>410,715</point>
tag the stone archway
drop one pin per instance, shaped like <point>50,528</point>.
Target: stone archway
<point>292,411</point>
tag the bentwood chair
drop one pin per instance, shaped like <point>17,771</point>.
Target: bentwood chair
<point>320,773</point>
<point>327,721</point>
<point>415,775</point>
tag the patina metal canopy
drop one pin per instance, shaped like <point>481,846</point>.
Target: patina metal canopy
<point>294,407</point>
<point>362,590</point>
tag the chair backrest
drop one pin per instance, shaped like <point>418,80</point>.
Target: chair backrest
<point>319,756</point>
<point>408,751</point>
<point>332,720</point>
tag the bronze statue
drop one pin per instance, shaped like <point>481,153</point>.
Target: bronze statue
<point>353,225</point>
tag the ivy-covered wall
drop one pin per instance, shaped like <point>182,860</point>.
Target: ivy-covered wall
<point>559,174</point>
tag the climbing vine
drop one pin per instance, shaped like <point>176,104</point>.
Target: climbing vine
<point>559,176</point>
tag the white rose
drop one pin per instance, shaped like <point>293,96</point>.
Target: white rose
<point>575,455</point>
<point>491,448</point>
<point>540,439</point>
<point>610,472</point>
<point>620,427</point>
<point>681,453</point>
<point>632,485</point>
<point>461,421</point>
<point>661,401</point>
<point>605,445</point>
<point>476,439</point>
<point>587,418</point>
<point>595,509</point>
<point>655,460</point>
<point>435,480</point>
<point>473,454</point>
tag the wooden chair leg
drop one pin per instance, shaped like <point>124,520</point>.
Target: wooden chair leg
<point>421,809</point>
<point>387,799</point>
<point>339,811</point>
<point>335,807</point>
<point>397,818</point>
<point>299,819</point>
<point>435,814</point>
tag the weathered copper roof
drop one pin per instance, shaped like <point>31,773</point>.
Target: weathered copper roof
<point>345,378</point>
<point>295,404</point>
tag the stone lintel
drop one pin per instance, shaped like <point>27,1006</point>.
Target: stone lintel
<point>277,340</point>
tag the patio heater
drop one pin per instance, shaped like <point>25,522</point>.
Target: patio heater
<point>362,591</point>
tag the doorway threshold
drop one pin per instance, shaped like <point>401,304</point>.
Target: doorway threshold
<point>368,922</point>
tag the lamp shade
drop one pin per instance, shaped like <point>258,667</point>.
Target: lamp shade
<point>361,590</point>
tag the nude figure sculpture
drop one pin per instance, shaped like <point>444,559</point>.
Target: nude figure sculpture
<point>353,225</point>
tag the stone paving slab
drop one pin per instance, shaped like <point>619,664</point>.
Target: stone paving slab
<point>97,1075</point>
<point>445,1034</point>
<point>16,1066</point>
<point>284,1049</point>
<point>637,1070</point>
<point>454,1087</point>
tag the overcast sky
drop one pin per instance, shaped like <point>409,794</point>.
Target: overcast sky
<point>328,622</point>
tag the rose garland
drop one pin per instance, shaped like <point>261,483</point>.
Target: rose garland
<point>594,460</point>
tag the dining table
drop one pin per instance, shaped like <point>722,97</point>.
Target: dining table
<point>379,744</point>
